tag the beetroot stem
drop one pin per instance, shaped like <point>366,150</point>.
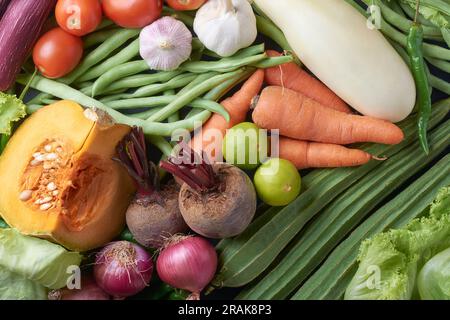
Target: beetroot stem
<point>132,154</point>
<point>196,172</point>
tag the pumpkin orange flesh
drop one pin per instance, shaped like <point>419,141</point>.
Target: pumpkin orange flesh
<point>59,181</point>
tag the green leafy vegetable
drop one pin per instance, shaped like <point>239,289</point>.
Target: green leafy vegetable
<point>16,287</point>
<point>434,278</point>
<point>36,259</point>
<point>435,11</point>
<point>11,110</point>
<point>390,261</point>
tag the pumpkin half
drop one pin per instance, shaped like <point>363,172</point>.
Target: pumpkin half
<point>59,181</point>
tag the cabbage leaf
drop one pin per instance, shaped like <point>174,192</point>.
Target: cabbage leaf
<point>16,287</point>
<point>390,261</point>
<point>36,259</point>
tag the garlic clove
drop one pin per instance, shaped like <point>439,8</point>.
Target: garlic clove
<point>165,44</point>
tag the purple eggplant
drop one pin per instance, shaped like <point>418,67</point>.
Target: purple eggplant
<point>3,6</point>
<point>20,28</point>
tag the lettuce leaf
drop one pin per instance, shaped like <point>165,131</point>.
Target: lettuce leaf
<point>390,261</point>
<point>16,287</point>
<point>35,259</point>
<point>434,278</point>
<point>435,11</point>
<point>11,110</point>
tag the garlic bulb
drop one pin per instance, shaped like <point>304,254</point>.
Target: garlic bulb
<point>225,26</point>
<point>165,44</point>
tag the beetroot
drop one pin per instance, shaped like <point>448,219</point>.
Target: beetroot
<point>216,201</point>
<point>154,213</point>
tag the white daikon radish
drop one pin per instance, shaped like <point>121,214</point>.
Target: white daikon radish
<point>333,40</point>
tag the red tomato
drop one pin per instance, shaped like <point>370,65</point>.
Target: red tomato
<point>132,13</point>
<point>185,5</point>
<point>78,17</point>
<point>57,53</point>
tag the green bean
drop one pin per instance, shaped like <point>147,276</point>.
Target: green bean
<point>125,55</point>
<point>247,52</point>
<point>83,85</point>
<point>403,23</point>
<point>270,30</point>
<point>49,101</point>
<point>100,53</point>
<point>273,62</point>
<point>417,63</point>
<point>199,79</point>
<point>190,95</point>
<point>31,108</point>
<point>243,53</point>
<point>98,37</point>
<point>104,24</point>
<point>446,35</point>
<point>222,89</point>
<point>396,7</point>
<point>228,65</point>
<point>197,44</point>
<point>66,92</point>
<point>39,98</point>
<point>211,54</point>
<point>179,15</point>
<point>176,116</point>
<point>136,103</point>
<point>441,64</point>
<point>162,144</point>
<point>440,84</point>
<point>135,81</point>
<point>116,73</point>
<point>145,114</point>
<point>153,89</point>
<point>167,100</point>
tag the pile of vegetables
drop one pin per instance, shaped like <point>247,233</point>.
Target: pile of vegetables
<point>170,152</point>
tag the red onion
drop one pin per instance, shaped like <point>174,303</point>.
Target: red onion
<point>123,269</point>
<point>187,263</point>
<point>89,291</point>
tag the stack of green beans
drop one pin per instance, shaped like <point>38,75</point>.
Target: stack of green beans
<point>114,78</point>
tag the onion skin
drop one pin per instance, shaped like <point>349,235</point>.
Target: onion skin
<point>89,291</point>
<point>120,273</point>
<point>188,264</point>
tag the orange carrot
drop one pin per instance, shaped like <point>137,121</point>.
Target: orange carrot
<point>305,154</point>
<point>300,117</point>
<point>291,76</point>
<point>210,138</point>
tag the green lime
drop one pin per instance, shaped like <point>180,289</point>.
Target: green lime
<point>245,146</point>
<point>277,182</point>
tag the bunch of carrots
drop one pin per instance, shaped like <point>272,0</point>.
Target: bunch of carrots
<point>314,123</point>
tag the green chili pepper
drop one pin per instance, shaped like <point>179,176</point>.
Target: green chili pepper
<point>418,67</point>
